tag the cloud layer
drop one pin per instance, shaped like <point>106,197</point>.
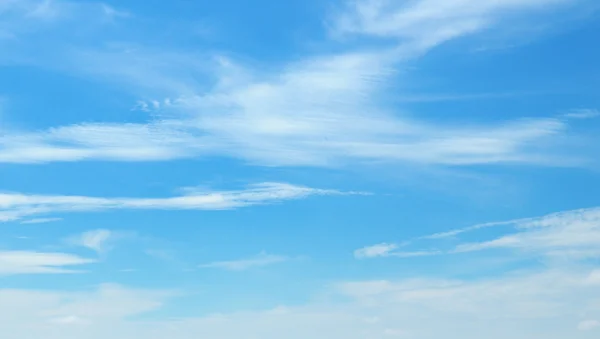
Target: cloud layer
<point>331,107</point>
<point>326,109</point>
<point>512,306</point>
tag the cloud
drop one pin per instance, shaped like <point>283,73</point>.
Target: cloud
<point>53,11</point>
<point>427,23</point>
<point>588,325</point>
<point>68,320</point>
<point>321,110</point>
<point>415,254</point>
<point>25,262</point>
<point>379,250</point>
<point>571,234</point>
<point>567,236</point>
<point>112,12</point>
<point>40,220</point>
<point>17,206</point>
<point>456,232</point>
<point>519,296</point>
<point>32,18</point>
<point>96,240</point>
<point>319,113</point>
<point>547,304</point>
<point>263,259</point>
<point>583,114</point>
<point>390,250</point>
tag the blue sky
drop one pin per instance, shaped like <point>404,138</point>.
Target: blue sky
<point>355,169</point>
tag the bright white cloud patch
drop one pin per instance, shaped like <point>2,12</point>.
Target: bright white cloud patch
<point>318,112</point>
<point>427,23</point>
<point>26,262</point>
<point>323,110</point>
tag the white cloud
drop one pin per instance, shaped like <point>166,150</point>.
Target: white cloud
<point>427,23</point>
<point>112,12</point>
<point>528,305</point>
<point>40,220</point>
<point>588,325</point>
<point>69,320</point>
<point>567,236</point>
<point>456,232</point>
<point>24,12</point>
<point>583,114</point>
<point>96,240</point>
<point>26,262</point>
<point>323,110</point>
<point>415,254</point>
<point>562,235</point>
<point>390,250</point>
<point>18,206</point>
<point>263,259</point>
<point>319,112</point>
<point>379,250</point>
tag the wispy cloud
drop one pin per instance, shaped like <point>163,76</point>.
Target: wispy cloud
<point>517,296</point>
<point>427,23</point>
<point>317,113</point>
<point>570,235</point>
<point>567,235</point>
<point>25,262</point>
<point>18,206</point>
<point>552,304</point>
<point>24,18</point>
<point>588,325</point>
<point>96,240</point>
<point>261,260</point>
<point>583,114</point>
<point>40,220</point>
<point>379,250</point>
<point>459,231</point>
<point>391,250</point>
<point>322,110</point>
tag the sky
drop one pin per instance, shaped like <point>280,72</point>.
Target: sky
<point>324,169</point>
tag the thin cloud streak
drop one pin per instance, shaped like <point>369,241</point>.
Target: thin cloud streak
<point>261,260</point>
<point>40,221</point>
<point>18,206</point>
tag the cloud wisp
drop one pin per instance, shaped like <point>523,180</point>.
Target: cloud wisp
<point>40,221</point>
<point>95,240</point>
<point>18,206</point>
<point>260,260</point>
<point>428,23</point>
<point>570,235</point>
